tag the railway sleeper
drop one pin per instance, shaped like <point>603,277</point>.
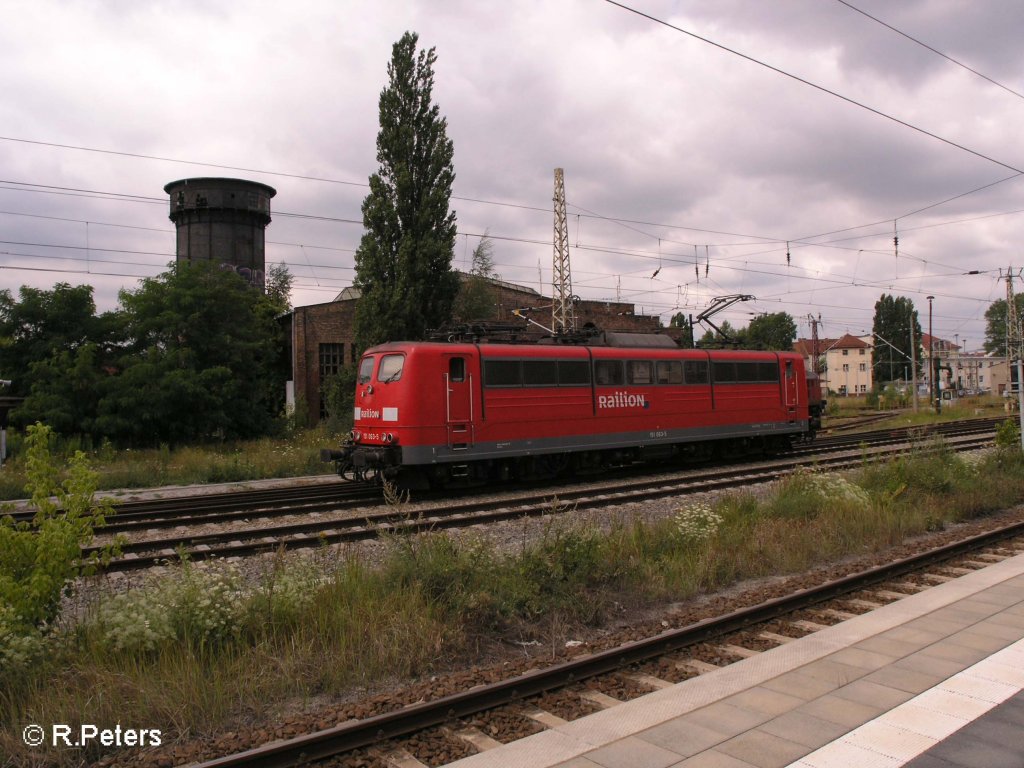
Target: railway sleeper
<point>476,738</point>
<point>602,700</point>
<point>542,716</point>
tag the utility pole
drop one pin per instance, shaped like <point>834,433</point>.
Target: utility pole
<point>563,313</point>
<point>913,359</point>
<point>933,364</point>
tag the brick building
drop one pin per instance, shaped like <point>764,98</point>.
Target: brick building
<point>322,336</point>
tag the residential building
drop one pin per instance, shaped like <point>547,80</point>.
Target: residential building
<point>844,364</point>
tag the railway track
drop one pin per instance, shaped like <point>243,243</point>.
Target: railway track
<point>316,532</point>
<point>453,725</point>
<point>191,511</point>
<point>217,507</point>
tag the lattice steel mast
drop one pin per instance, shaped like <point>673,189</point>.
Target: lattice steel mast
<point>563,313</point>
<point>1014,342</point>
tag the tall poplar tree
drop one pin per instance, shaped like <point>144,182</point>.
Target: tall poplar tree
<point>403,263</point>
<point>891,354</point>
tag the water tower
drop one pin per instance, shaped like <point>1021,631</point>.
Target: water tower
<point>223,221</point>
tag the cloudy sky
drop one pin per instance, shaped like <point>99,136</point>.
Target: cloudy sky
<point>691,171</point>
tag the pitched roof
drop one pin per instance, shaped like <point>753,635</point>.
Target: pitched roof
<point>803,346</point>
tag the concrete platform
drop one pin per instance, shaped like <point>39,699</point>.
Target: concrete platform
<point>932,681</point>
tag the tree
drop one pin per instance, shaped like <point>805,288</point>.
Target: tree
<point>403,263</point>
<point>776,331</point>
<point>54,349</point>
<point>40,325</point>
<point>476,295</point>
<point>891,353</point>
<point>66,388</point>
<point>199,359</point>
<point>995,324</point>
<point>679,320</point>
<point>729,336</point>
<point>279,287</point>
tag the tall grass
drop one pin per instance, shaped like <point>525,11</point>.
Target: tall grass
<point>286,456</point>
<point>217,650</point>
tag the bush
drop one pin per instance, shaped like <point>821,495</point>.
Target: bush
<point>806,494</point>
<point>1008,435</point>
<point>38,561</point>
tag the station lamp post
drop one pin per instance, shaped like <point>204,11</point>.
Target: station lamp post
<point>933,375</point>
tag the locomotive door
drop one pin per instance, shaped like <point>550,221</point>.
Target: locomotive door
<point>791,388</point>
<point>458,403</point>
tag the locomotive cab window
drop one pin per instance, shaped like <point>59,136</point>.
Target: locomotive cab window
<point>390,368</point>
<point>457,369</point>
<point>366,369</point>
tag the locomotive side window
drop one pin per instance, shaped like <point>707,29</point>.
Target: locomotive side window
<point>670,372</point>
<point>574,373</point>
<point>540,373</point>
<point>457,369</point>
<point>608,372</point>
<point>725,373</point>
<point>769,372</point>
<point>502,373</point>
<point>638,372</point>
<point>696,371</point>
<point>746,372</point>
<point>390,368</point>
<point>366,370</point>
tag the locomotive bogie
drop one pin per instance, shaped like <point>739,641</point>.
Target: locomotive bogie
<point>431,414</point>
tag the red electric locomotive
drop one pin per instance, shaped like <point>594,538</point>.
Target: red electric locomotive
<point>438,414</point>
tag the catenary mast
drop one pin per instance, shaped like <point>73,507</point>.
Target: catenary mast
<point>563,313</point>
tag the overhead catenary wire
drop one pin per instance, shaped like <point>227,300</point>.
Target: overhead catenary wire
<point>162,201</point>
<point>930,48</point>
<point>811,84</point>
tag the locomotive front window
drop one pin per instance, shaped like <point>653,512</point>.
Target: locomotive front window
<point>390,368</point>
<point>366,369</point>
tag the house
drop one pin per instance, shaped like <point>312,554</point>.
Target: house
<point>844,364</point>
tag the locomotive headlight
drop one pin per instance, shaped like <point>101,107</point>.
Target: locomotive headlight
<point>356,435</point>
